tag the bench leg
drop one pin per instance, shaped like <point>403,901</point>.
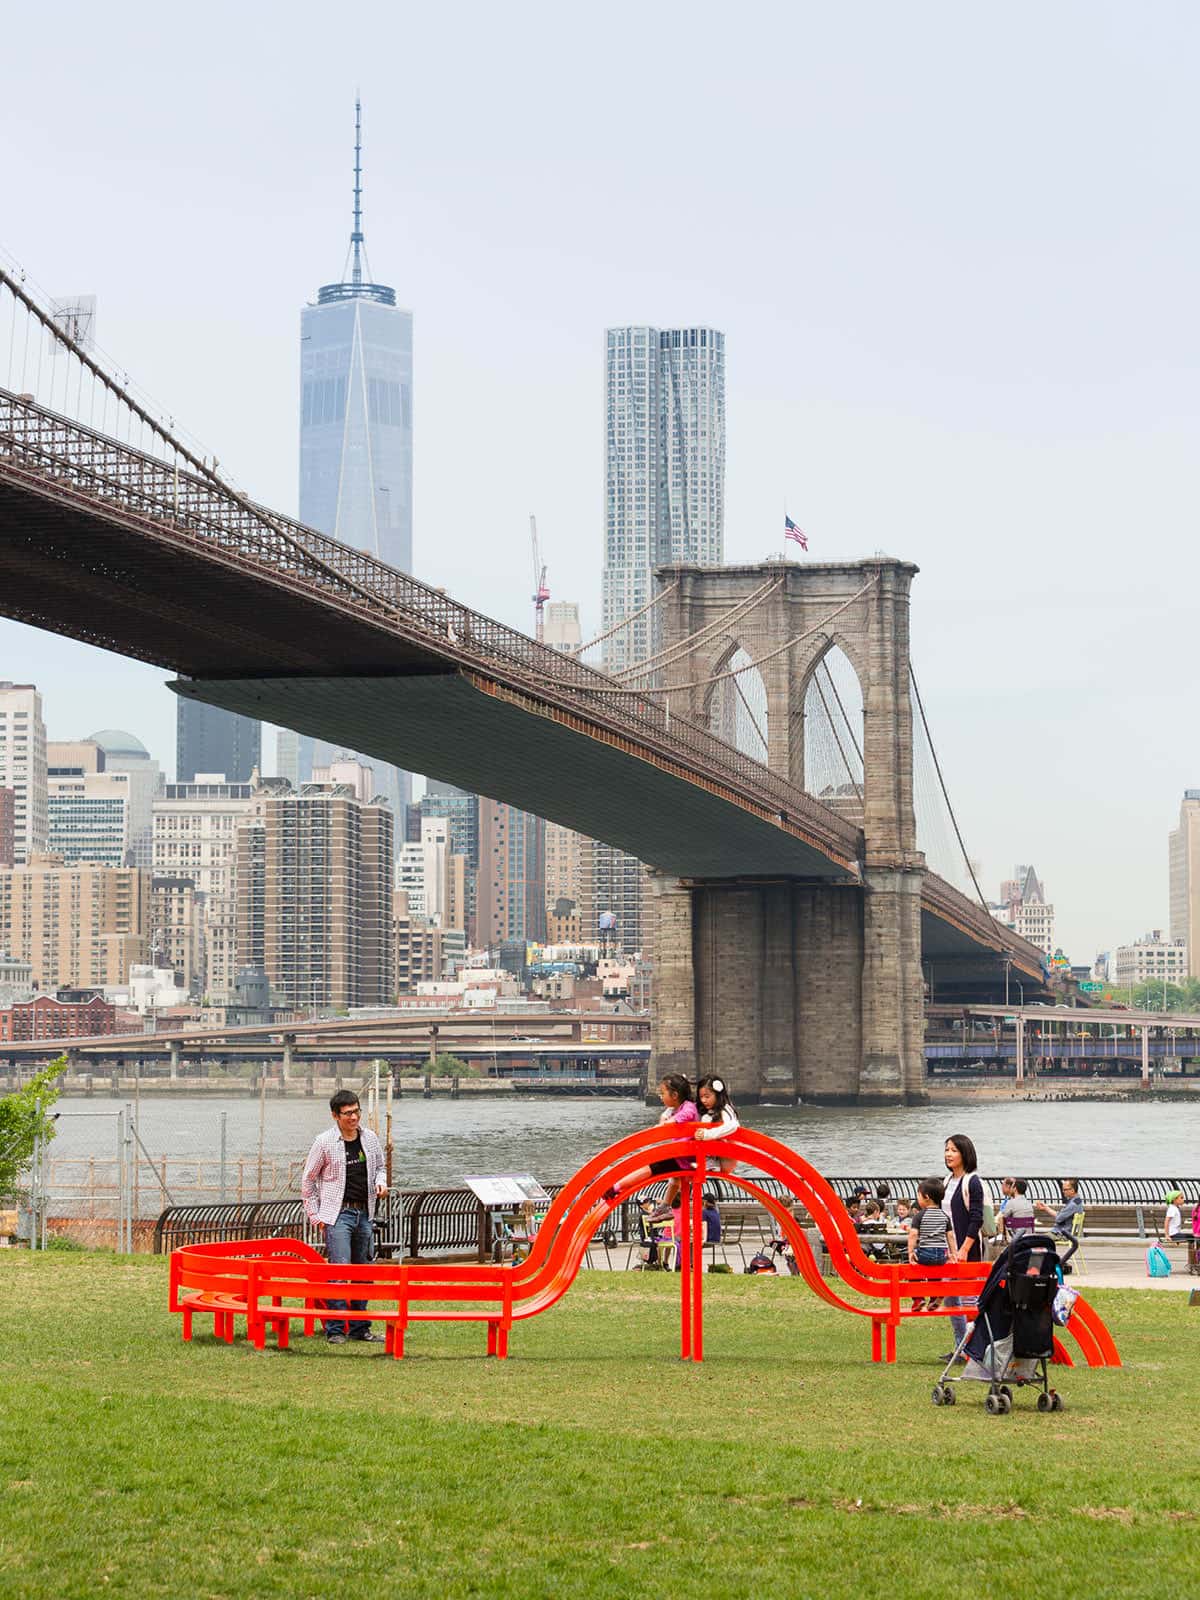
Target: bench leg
<point>876,1341</point>
<point>187,1325</point>
<point>281,1333</point>
<point>889,1349</point>
<point>502,1342</point>
<point>491,1348</point>
<point>396,1329</point>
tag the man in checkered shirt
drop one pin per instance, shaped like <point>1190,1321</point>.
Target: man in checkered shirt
<point>346,1172</point>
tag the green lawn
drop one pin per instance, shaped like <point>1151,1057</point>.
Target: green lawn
<point>590,1463</point>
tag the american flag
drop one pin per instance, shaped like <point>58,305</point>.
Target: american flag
<point>791,531</point>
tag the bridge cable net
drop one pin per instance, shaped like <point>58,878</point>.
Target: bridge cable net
<point>625,622</point>
<point>733,672</point>
<point>938,833</point>
<point>685,647</point>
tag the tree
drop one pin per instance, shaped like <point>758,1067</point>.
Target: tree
<point>448,1066</point>
<point>21,1123</point>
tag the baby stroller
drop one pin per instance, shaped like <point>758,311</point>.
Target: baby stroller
<point>762,1264</point>
<point>1012,1337</point>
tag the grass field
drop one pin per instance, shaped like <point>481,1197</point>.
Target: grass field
<point>590,1464</point>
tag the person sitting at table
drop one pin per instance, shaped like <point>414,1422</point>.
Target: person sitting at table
<point>1070,1206</point>
<point>1016,1214</point>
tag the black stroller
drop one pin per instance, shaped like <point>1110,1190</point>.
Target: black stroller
<point>1012,1337</point>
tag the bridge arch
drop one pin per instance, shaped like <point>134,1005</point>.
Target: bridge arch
<point>736,708</point>
<point>827,760</point>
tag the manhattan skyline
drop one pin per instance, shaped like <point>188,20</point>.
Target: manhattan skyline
<point>954,280</point>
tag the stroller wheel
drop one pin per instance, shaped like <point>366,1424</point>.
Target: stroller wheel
<point>939,1395</point>
<point>994,1405</point>
<point>1007,1393</point>
<point>1056,1401</point>
<point>1006,1402</point>
<point>1045,1402</point>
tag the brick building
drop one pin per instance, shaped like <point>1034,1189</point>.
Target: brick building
<point>45,1017</point>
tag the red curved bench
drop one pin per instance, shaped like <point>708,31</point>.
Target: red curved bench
<point>274,1281</point>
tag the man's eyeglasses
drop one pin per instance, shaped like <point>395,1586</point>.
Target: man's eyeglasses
<point>351,1111</point>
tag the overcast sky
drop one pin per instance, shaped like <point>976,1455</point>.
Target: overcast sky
<point>953,250</point>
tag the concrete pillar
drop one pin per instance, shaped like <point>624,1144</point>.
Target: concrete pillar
<point>174,1051</point>
<point>673,1019</point>
<point>1145,1058</point>
<point>289,1045</point>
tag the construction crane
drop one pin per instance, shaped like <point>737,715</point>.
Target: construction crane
<point>540,592</point>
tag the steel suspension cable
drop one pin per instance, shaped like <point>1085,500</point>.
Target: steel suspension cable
<point>578,649</point>
<point>937,767</point>
<point>210,474</point>
<point>682,647</point>
<point>836,736</point>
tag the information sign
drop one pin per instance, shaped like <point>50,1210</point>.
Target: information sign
<point>1091,988</point>
<point>506,1188</point>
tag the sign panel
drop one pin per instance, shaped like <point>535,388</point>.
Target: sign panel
<point>1091,988</point>
<point>506,1188</point>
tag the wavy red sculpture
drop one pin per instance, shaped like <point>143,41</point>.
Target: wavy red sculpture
<point>272,1282</point>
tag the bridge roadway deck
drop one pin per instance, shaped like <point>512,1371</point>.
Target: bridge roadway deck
<point>264,616</point>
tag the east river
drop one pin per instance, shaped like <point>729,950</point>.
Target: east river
<point>437,1141</point>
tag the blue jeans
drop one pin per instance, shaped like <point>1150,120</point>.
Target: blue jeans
<point>959,1324</point>
<point>349,1241</point>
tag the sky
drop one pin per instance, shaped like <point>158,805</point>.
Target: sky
<point>954,251</point>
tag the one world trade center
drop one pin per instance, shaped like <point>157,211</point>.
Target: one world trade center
<point>356,439</point>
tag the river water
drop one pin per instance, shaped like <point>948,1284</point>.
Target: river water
<point>437,1141</point>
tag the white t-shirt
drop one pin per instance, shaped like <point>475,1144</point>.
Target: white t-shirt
<point>1174,1222</point>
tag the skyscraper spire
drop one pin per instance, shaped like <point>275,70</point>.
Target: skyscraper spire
<point>356,237</point>
<point>356,272</point>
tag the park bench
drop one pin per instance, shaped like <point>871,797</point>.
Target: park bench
<point>273,1282</point>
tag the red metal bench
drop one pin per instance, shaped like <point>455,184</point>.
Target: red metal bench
<point>272,1282</point>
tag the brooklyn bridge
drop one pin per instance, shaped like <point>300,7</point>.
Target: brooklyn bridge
<point>794,940</point>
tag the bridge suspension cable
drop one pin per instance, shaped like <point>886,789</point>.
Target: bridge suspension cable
<point>734,672</point>
<point>684,647</point>
<point>937,766</point>
<point>178,452</point>
<point>578,649</point>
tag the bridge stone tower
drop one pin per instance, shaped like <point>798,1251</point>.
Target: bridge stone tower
<point>800,988</point>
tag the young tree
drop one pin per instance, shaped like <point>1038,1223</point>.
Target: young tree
<point>21,1121</point>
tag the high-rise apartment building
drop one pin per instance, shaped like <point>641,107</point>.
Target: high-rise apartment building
<point>461,810</point>
<point>79,927</point>
<point>314,889</point>
<point>664,481</point>
<point>564,883</point>
<point>1183,860</point>
<point>23,765</point>
<point>560,625</point>
<point>87,815</point>
<point>195,838</point>
<point>176,931</point>
<point>210,740</point>
<point>356,439</point>
<point>510,899</point>
<point>8,833</point>
<point>664,469</point>
<point>123,753</point>
<point>612,898</point>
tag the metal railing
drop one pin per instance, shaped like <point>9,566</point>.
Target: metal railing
<point>422,1222</point>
